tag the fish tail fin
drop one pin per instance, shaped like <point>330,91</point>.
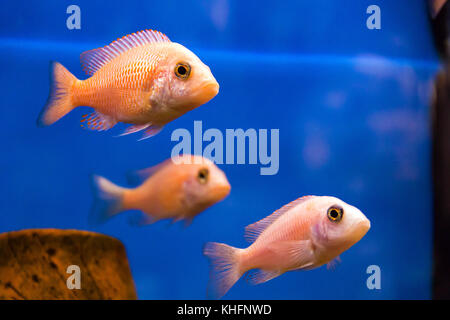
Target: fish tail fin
<point>225,268</point>
<point>108,200</point>
<point>59,101</point>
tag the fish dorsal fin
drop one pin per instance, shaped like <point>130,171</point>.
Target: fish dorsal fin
<point>93,60</point>
<point>139,176</point>
<point>253,231</point>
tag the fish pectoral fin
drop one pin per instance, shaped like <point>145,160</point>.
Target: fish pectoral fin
<point>140,220</point>
<point>150,130</point>
<point>333,263</point>
<point>97,121</point>
<point>298,254</point>
<point>188,221</point>
<point>257,276</point>
<point>134,129</point>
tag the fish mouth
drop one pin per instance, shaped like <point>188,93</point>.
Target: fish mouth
<point>364,226</point>
<point>211,87</point>
<point>201,94</point>
<point>222,190</point>
<point>209,90</point>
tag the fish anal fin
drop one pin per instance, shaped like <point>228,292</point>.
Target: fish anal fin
<point>97,121</point>
<point>93,60</point>
<point>296,254</point>
<point>253,231</point>
<point>257,276</point>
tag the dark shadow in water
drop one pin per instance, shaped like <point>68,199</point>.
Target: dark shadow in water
<point>441,163</point>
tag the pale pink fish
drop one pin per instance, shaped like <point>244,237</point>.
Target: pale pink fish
<point>176,190</point>
<point>304,234</point>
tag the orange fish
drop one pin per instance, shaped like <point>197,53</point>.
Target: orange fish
<point>142,79</point>
<point>170,190</point>
<point>302,235</point>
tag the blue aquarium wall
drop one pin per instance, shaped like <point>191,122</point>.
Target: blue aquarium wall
<point>352,106</point>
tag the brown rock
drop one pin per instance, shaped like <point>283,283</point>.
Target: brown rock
<point>34,262</point>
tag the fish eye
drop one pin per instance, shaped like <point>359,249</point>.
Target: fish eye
<point>335,213</point>
<point>203,175</point>
<point>182,70</point>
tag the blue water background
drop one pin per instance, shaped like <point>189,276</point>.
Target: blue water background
<point>352,106</point>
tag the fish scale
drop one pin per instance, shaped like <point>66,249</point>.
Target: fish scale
<point>131,81</point>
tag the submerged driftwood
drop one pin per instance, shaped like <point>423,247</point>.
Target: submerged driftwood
<point>34,265</point>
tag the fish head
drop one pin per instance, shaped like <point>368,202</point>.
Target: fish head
<point>189,82</point>
<point>205,184</point>
<point>339,225</point>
